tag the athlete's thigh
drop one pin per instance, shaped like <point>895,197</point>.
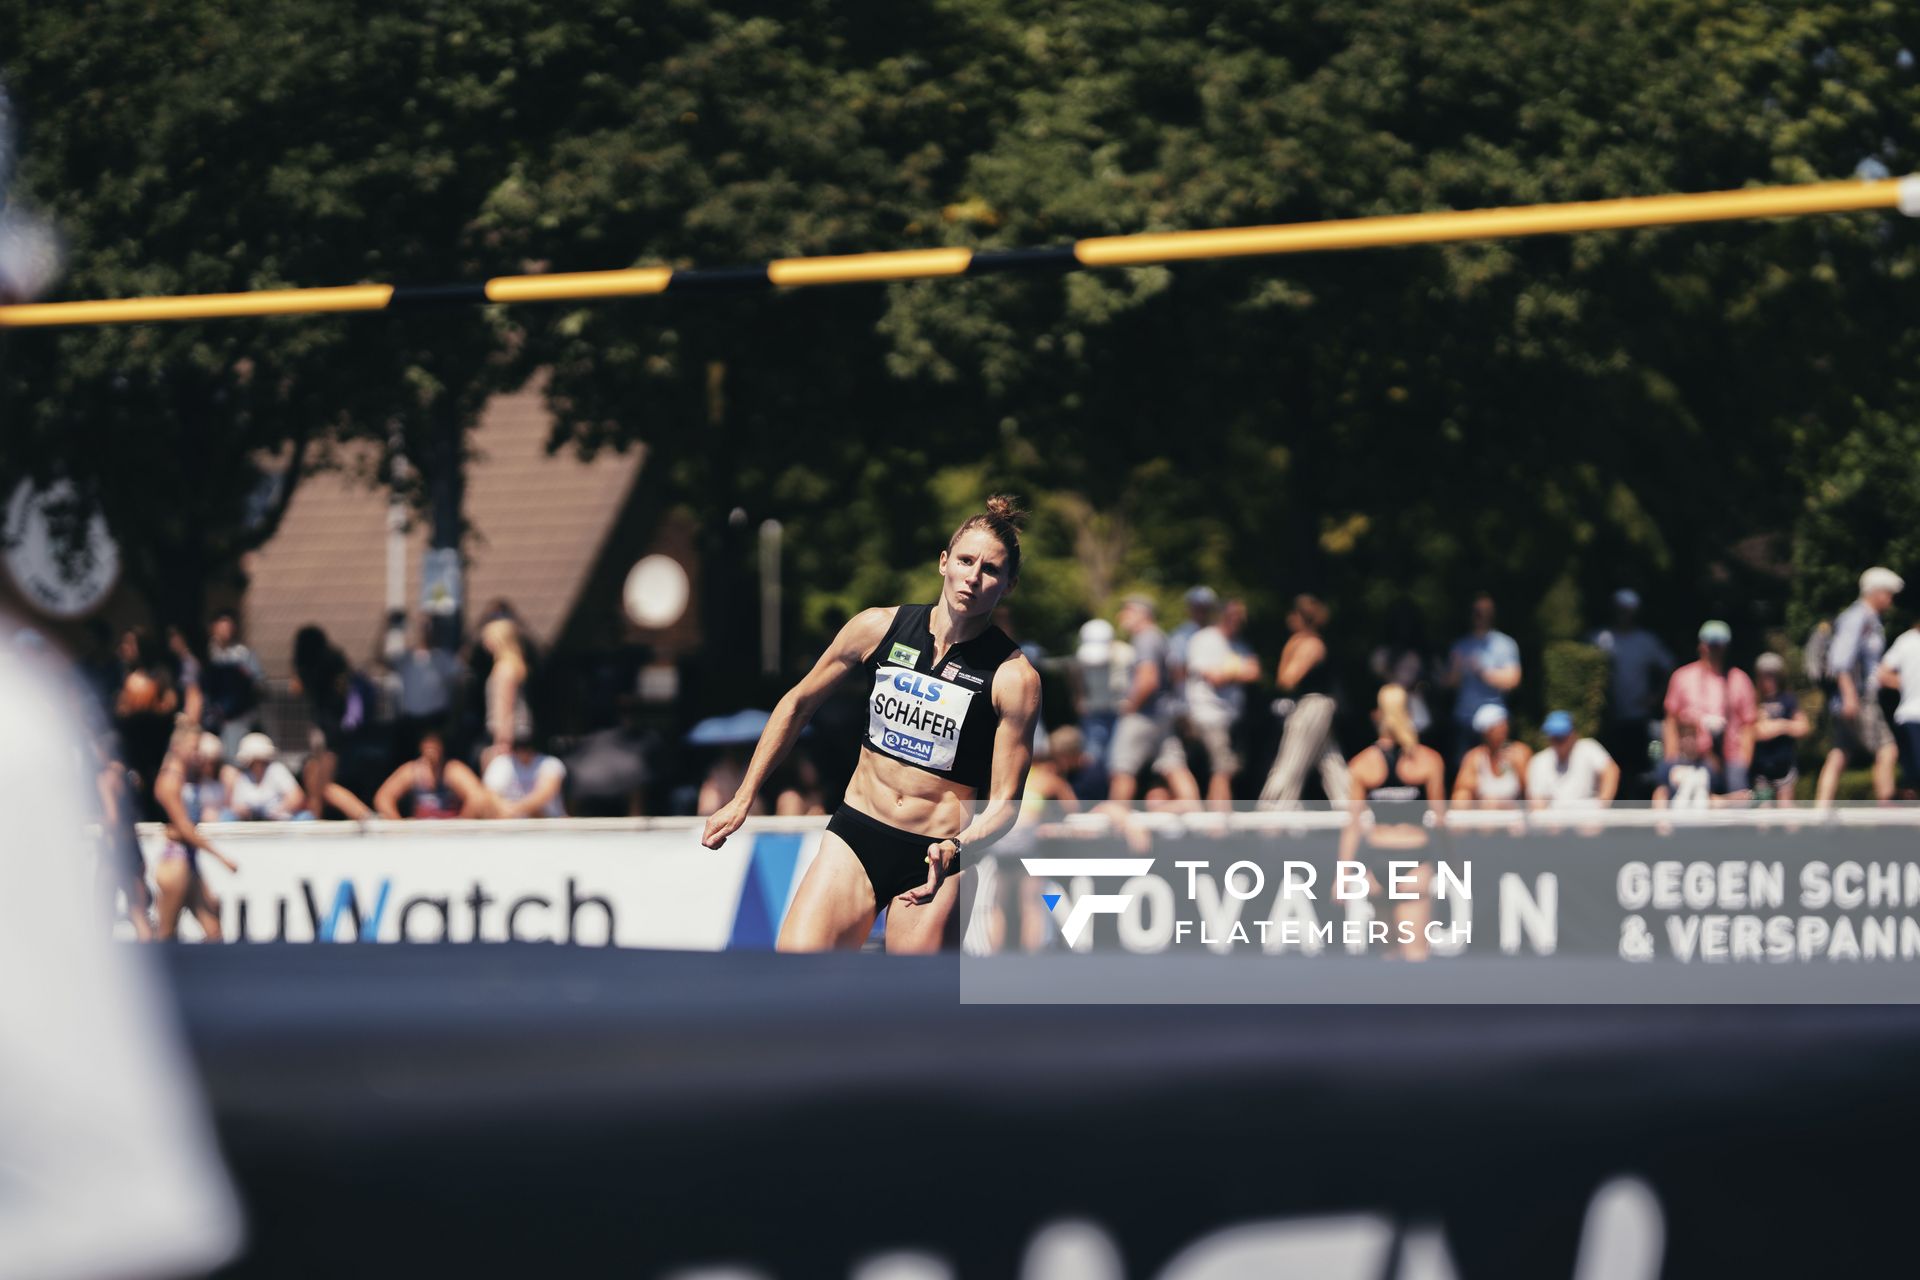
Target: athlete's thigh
<point>834,906</point>
<point>921,930</point>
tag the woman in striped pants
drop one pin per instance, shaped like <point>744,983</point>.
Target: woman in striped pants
<point>1308,740</point>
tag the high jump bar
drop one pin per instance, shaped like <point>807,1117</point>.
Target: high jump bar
<point>1143,249</point>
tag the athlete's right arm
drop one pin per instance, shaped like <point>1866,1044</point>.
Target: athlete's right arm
<point>849,649</point>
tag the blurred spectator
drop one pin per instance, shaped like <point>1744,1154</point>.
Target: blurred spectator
<point>1102,668</point>
<point>429,680</point>
<point>232,682</point>
<point>123,867</point>
<point>1003,619</point>
<point>1493,775</point>
<point>1712,702</point>
<point>344,756</point>
<point>1482,668</point>
<point>509,718</point>
<point>1050,780</point>
<point>526,782</point>
<point>1688,777</point>
<point>1776,733</point>
<point>144,711</point>
<point>1067,757</point>
<point>431,786</point>
<point>1306,687</point>
<point>177,875</point>
<point>1143,736</point>
<point>1397,786</point>
<point>259,787</point>
<point>1900,671</point>
<point>1219,666</point>
<point>187,675</point>
<point>1402,660</point>
<point>1853,661</point>
<point>722,783</point>
<point>1638,668</point>
<point>1203,603</point>
<point>212,794</point>
<point>796,788</point>
<point>1573,773</point>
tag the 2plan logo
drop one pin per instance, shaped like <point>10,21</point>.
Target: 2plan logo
<point>912,748</point>
<point>1087,905</point>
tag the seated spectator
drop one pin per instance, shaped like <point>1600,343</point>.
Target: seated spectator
<point>1688,779</point>
<point>259,788</point>
<point>431,786</point>
<point>1067,754</point>
<point>797,793</point>
<point>525,783</point>
<point>1715,703</point>
<point>1777,734</point>
<point>1493,776</point>
<point>1573,773</point>
<point>722,783</point>
<point>211,794</point>
<point>1050,777</point>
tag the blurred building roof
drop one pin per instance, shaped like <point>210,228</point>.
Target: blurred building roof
<point>537,527</point>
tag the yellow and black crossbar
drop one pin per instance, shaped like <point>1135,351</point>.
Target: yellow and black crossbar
<point>925,264</point>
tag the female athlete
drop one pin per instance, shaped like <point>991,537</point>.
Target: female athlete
<point>950,709</point>
<point>1395,785</point>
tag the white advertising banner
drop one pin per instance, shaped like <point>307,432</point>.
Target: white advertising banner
<point>622,883</point>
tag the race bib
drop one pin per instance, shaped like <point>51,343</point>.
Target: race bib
<point>917,717</point>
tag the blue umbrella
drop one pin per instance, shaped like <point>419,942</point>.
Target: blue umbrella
<point>728,731</point>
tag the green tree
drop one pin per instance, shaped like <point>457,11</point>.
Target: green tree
<point>235,147</point>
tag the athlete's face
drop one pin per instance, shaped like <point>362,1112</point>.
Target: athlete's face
<point>974,571</point>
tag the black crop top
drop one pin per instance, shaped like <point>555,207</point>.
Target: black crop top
<point>1396,801</point>
<point>940,720</point>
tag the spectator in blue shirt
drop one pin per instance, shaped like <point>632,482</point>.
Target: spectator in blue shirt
<point>1482,669</point>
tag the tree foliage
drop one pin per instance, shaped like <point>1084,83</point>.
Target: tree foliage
<point>231,148</point>
<point>1720,415</point>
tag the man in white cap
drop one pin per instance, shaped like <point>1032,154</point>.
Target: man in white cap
<point>1101,665</point>
<point>1859,726</point>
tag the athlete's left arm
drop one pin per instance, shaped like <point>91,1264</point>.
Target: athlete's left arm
<point>1016,697</point>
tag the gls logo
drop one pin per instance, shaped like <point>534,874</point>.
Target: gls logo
<point>1087,905</point>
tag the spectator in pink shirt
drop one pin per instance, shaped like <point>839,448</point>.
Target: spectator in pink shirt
<point>1714,705</point>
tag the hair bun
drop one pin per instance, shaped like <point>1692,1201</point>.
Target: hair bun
<point>1002,506</point>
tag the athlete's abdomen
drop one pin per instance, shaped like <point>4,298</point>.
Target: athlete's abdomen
<point>909,798</point>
